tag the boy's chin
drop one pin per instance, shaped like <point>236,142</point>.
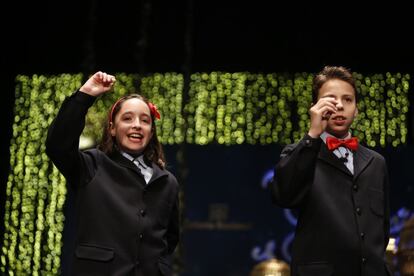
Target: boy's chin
<point>338,133</point>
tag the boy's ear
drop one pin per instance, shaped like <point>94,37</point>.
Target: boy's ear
<point>356,112</point>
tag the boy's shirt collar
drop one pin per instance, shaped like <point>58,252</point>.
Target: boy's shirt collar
<point>342,152</point>
<point>325,134</point>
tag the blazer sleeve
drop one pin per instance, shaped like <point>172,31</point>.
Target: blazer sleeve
<point>173,232</point>
<point>386,206</point>
<point>62,142</point>
<point>294,172</point>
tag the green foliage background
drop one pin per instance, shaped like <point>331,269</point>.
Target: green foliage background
<point>224,108</point>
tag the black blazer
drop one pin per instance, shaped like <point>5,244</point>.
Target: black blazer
<point>123,225</point>
<point>343,219</point>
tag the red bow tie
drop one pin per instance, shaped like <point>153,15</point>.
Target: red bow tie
<point>333,143</point>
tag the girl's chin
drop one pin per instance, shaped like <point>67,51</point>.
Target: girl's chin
<point>132,151</point>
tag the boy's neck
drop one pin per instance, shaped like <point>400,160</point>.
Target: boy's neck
<point>327,134</point>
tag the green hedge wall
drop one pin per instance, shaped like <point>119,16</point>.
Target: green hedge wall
<point>224,108</point>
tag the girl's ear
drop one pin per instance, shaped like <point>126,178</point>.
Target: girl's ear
<point>356,112</point>
<point>112,128</point>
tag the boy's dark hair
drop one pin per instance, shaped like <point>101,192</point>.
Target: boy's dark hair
<point>153,152</point>
<point>329,73</point>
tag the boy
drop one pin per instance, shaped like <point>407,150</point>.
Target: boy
<point>339,188</point>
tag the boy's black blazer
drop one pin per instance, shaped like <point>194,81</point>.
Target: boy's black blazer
<point>123,225</point>
<point>343,219</point>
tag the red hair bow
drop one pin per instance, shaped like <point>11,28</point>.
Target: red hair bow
<point>154,110</point>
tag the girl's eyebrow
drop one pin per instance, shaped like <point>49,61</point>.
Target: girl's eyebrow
<point>129,112</point>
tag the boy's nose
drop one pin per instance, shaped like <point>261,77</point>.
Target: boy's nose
<point>339,105</point>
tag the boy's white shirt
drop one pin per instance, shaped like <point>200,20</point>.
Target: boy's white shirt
<point>341,152</point>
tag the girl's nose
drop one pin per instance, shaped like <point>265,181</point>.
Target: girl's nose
<point>136,123</point>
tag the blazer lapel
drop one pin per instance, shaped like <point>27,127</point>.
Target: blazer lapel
<point>362,158</point>
<point>157,172</point>
<point>121,160</point>
<point>329,157</point>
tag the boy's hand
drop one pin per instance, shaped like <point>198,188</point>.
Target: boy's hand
<point>98,84</point>
<point>319,115</point>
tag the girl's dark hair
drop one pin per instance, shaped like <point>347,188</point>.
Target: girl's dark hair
<point>329,73</point>
<point>153,152</point>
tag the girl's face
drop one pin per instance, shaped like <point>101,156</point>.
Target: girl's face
<point>132,126</point>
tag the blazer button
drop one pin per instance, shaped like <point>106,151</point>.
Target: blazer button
<point>355,187</point>
<point>142,212</point>
<point>364,260</point>
<point>141,236</point>
<point>362,235</point>
<point>358,210</point>
<point>308,142</point>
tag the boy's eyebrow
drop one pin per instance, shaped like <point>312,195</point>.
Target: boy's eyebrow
<point>333,96</point>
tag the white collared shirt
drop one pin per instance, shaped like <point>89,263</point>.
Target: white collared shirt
<point>342,152</point>
<point>146,171</point>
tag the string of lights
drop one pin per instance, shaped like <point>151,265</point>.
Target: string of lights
<point>223,108</point>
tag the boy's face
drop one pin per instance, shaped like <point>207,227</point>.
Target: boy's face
<point>344,94</point>
<point>132,127</point>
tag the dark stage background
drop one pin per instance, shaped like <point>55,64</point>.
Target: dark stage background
<point>230,189</point>
<point>229,216</point>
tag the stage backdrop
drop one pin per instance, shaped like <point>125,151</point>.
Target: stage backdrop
<point>213,135</point>
<point>231,224</point>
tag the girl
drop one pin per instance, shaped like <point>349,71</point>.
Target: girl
<point>126,202</point>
